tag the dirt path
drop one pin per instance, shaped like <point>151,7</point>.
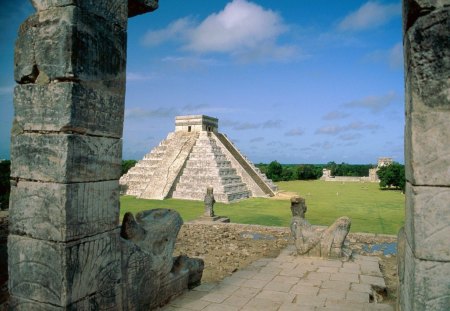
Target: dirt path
<point>230,247</point>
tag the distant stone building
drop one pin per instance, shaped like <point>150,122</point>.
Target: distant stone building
<point>373,177</point>
<point>192,158</point>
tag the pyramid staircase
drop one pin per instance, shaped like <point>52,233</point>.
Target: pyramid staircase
<point>208,166</point>
<point>153,176</point>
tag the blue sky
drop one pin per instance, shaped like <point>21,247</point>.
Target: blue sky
<point>294,81</point>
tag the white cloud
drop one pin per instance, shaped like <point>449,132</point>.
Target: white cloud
<point>175,31</point>
<point>370,15</point>
<point>393,56</point>
<point>335,115</point>
<point>294,132</point>
<point>396,56</point>
<point>240,24</point>
<point>337,129</point>
<point>242,29</point>
<point>373,103</point>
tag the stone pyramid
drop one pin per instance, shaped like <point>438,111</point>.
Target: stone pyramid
<point>192,158</point>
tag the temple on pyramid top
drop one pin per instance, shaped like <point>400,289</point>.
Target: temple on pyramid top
<point>192,158</point>
<point>196,123</point>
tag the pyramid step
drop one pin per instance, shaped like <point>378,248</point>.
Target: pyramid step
<point>224,180</point>
<point>219,197</point>
<point>208,163</point>
<point>200,171</point>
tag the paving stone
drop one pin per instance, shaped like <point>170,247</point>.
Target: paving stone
<point>298,272</point>
<point>304,289</point>
<point>378,307</point>
<point>318,276</point>
<point>335,284</point>
<point>373,280</point>
<point>309,300</point>
<point>276,296</point>
<point>255,283</point>
<point>328,269</point>
<point>371,268</point>
<point>357,296</point>
<point>278,286</point>
<point>332,293</point>
<point>233,280</point>
<point>196,304</point>
<point>264,276</point>
<point>215,297</point>
<point>220,307</point>
<point>259,304</point>
<point>286,279</point>
<point>295,307</point>
<point>246,292</point>
<point>236,301</point>
<point>307,282</point>
<point>350,277</point>
<point>343,305</point>
<point>363,288</point>
<point>225,289</point>
<point>270,270</point>
<point>205,287</point>
<point>245,274</point>
<point>328,263</point>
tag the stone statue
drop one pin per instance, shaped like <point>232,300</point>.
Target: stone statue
<point>312,241</point>
<point>209,202</point>
<point>151,275</point>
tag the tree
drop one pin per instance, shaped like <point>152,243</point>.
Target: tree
<point>307,172</point>
<point>127,164</point>
<point>392,175</point>
<point>274,171</point>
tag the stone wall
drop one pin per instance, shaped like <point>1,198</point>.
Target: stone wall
<point>424,244</point>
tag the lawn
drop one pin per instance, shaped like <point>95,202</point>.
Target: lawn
<point>371,209</point>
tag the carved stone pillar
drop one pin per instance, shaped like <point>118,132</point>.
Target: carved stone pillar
<point>424,243</point>
<point>66,150</point>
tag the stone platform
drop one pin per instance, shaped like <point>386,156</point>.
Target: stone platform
<point>292,283</point>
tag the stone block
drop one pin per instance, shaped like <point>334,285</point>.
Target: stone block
<point>413,9</point>
<point>111,10</point>
<point>427,222</point>
<point>427,151</point>
<point>137,7</point>
<point>64,212</point>
<point>424,285</point>
<point>65,158</point>
<point>427,55</point>
<point>67,43</point>
<point>68,106</point>
<point>61,274</point>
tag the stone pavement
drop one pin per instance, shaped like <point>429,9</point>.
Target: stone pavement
<point>291,283</point>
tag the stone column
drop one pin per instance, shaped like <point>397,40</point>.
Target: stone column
<point>66,151</point>
<point>424,243</point>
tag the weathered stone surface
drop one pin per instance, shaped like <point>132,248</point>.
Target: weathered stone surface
<point>47,35</point>
<point>310,241</point>
<point>427,153</point>
<point>428,62</point>
<point>64,212</point>
<point>111,10</point>
<point>137,7</point>
<point>427,222</point>
<point>424,285</point>
<point>148,270</point>
<point>413,9</point>
<point>63,273</point>
<point>68,107</point>
<point>65,158</point>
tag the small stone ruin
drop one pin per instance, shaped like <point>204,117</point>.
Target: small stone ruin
<point>192,158</point>
<point>315,241</point>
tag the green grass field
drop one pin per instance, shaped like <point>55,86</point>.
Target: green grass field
<point>371,209</point>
